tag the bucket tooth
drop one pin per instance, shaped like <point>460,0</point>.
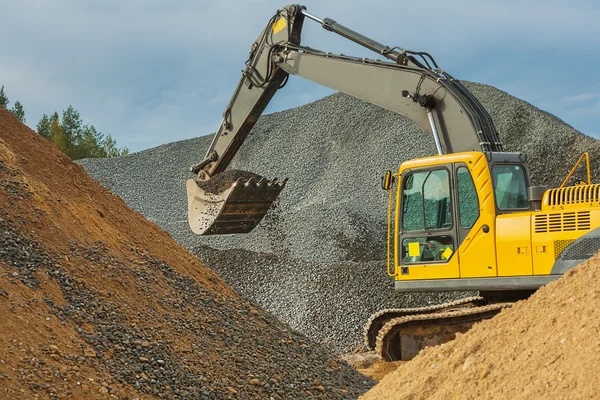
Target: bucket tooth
<point>249,183</point>
<point>239,181</point>
<point>262,182</point>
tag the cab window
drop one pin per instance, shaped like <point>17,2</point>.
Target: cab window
<point>426,201</point>
<point>468,204</point>
<point>510,186</point>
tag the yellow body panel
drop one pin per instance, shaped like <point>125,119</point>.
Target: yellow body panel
<point>543,252</point>
<point>522,243</point>
<point>582,197</point>
<point>513,244</point>
<point>555,227</point>
<point>445,270</point>
<point>477,252</point>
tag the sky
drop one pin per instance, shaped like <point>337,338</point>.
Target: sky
<point>150,72</point>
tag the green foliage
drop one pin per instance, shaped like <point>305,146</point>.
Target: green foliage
<point>69,133</point>
<point>76,139</point>
<point>17,109</point>
<point>45,125</point>
<point>3,99</point>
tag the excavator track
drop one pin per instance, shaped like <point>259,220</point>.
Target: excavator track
<point>381,317</point>
<point>402,338</point>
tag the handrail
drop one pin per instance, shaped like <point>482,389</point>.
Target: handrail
<point>389,226</point>
<point>585,155</point>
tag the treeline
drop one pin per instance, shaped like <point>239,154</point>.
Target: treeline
<point>69,133</point>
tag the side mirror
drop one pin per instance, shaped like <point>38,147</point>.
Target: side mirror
<point>386,180</point>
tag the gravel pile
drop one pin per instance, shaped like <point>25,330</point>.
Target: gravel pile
<point>317,260</point>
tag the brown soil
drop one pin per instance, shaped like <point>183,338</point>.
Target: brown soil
<point>545,347</point>
<point>96,301</point>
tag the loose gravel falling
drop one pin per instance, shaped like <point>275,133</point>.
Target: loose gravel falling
<point>317,261</point>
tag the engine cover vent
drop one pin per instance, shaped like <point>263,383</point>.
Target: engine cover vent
<point>562,222</point>
<point>582,194</point>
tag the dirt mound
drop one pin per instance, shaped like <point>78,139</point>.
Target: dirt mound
<point>545,347</point>
<point>97,301</point>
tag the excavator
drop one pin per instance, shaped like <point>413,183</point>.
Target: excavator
<point>466,219</point>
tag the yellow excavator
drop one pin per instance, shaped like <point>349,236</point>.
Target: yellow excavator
<point>467,218</point>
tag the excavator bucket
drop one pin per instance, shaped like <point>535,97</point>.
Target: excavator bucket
<point>230,206</point>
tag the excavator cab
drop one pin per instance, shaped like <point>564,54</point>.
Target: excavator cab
<point>445,221</point>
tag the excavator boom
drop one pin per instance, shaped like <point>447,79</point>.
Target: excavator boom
<point>408,83</point>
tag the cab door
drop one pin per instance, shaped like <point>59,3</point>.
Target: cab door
<point>476,219</point>
<point>427,241</point>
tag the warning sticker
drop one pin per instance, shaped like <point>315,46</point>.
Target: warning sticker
<point>279,25</point>
<point>414,250</point>
<point>447,253</point>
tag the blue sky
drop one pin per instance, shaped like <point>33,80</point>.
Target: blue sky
<point>154,71</point>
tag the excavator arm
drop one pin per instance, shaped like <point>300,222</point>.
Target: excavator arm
<point>409,83</point>
<point>259,82</point>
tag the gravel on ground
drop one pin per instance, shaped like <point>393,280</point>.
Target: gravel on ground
<point>317,260</point>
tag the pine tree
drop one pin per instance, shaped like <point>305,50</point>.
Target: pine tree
<point>76,139</point>
<point>43,127</point>
<point>3,99</point>
<point>18,111</point>
<point>111,149</point>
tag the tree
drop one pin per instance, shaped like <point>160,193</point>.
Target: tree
<point>18,111</point>
<point>3,99</point>
<point>69,133</point>
<point>76,139</point>
<point>45,125</point>
<point>110,146</point>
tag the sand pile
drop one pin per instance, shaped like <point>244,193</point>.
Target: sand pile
<point>96,301</point>
<point>545,347</point>
<point>317,261</point>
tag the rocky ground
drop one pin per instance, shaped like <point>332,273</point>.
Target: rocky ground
<point>317,261</point>
<point>96,301</point>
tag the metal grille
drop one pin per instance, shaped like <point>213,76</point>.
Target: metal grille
<point>582,250</point>
<point>560,246</point>
<point>574,195</point>
<point>563,221</point>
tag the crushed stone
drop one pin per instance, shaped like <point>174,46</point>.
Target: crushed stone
<point>225,179</point>
<point>326,239</point>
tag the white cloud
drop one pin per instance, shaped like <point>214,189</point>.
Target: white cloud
<point>580,98</point>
